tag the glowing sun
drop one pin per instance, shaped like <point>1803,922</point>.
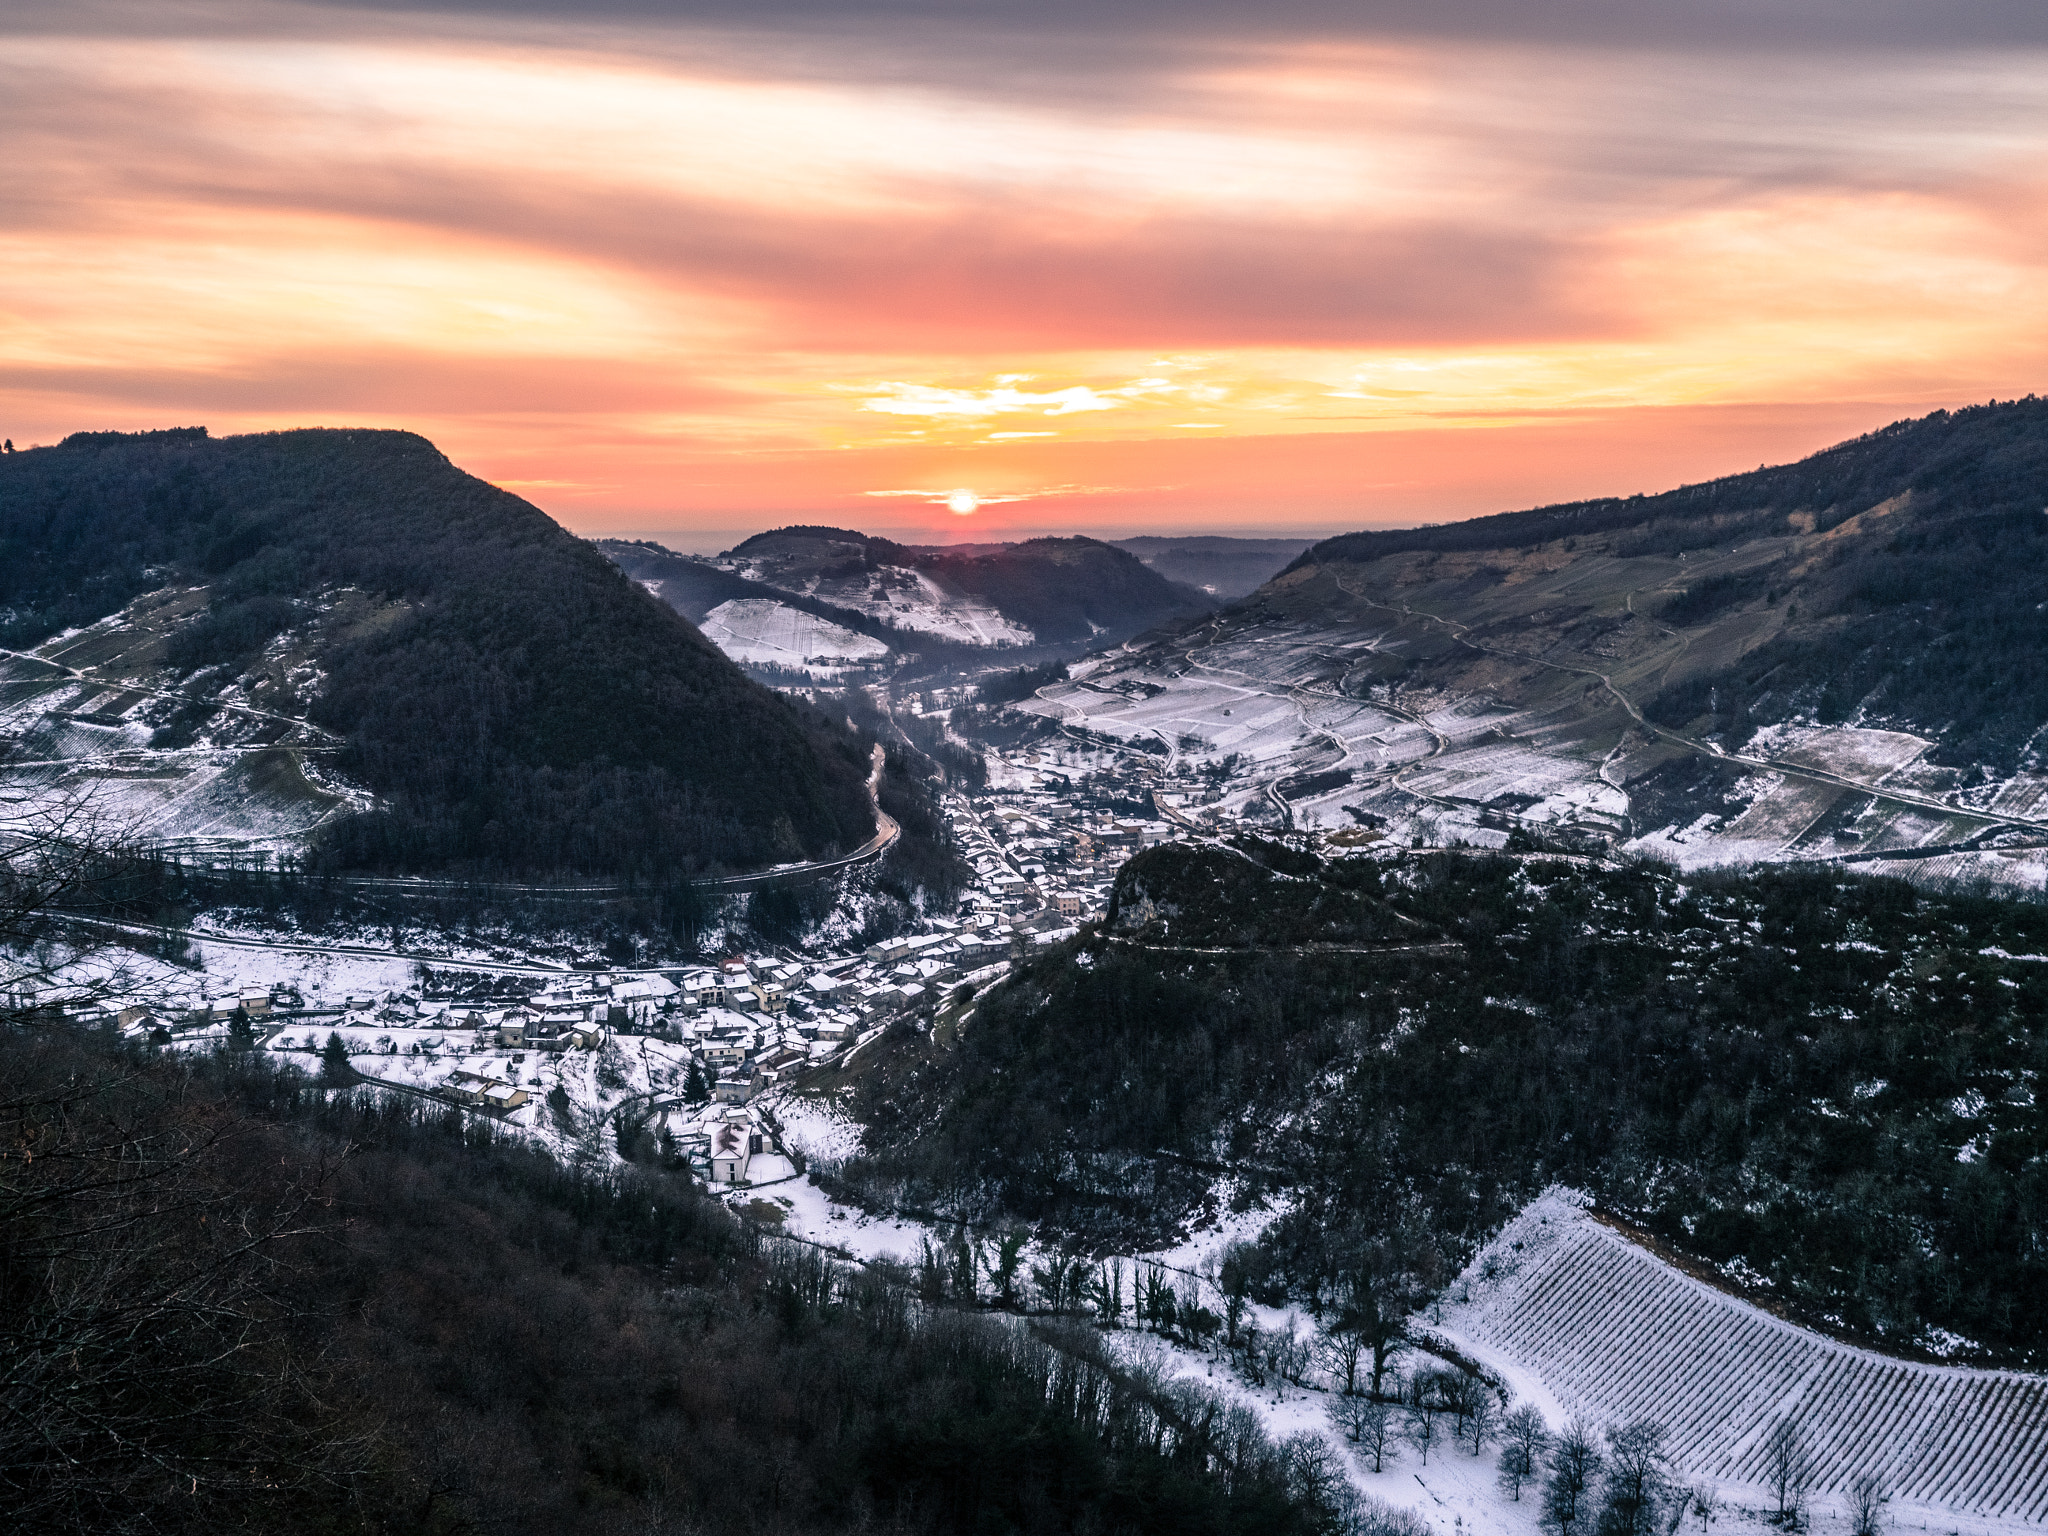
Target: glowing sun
<point>963,502</point>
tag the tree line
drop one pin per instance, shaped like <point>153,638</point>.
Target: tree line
<point>238,1299</point>
<point>1820,1076</point>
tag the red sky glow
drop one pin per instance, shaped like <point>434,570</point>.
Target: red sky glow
<point>683,272</point>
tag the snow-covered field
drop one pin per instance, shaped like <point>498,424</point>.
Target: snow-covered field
<point>1272,703</point>
<point>1309,739</point>
<point>909,599</point>
<point>756,630</point>
<point>1864,755</point>
<point>1581,1320</point>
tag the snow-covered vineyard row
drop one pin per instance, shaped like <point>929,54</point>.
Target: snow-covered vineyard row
<point>1614,1333</point>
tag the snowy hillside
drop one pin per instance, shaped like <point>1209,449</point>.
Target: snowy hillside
<point>1293,719</point>
<point>908,599</point>
<point>758,631</point>
<point>1596,1325</point>
<point>95,718</point>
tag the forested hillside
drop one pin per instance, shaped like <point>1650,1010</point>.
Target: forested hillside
<point>231,1300</point>
<point>515,704</point>
<point>1826,1087</point>
<point>1061,590</point>
<point>1894,580</point>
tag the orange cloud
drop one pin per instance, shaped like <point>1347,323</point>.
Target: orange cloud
<point>656,275</point>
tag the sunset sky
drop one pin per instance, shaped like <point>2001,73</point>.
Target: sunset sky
<point>965,270</point>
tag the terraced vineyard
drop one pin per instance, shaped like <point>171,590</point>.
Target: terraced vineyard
<point>1613,1332</point>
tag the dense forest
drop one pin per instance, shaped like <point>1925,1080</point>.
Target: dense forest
<point>232,1299</point>
<point>1826,1086</point>
<point>1928,618</point>
<point>521,708</point>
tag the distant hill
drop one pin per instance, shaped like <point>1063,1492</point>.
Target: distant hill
<point>694,587</point>
<point>1052,591</point>
<point>1841,660</point>
<point>1224,568</point>
<point>470,687</point>
<point>1896,578</point>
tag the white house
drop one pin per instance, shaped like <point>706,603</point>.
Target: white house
<point>735,1140</point>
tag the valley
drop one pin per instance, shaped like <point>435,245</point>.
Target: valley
<point>1590,960</point>
<point>802,605</point>
<point>1589,681</point>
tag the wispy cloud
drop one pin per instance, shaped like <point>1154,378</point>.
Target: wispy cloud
<point>633,251</point>
<point>1003,400</point>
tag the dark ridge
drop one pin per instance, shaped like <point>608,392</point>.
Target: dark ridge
<point>1926,619</point>
<point>1985,453</point>
<point>239,1303</point>
<point>526,711</point>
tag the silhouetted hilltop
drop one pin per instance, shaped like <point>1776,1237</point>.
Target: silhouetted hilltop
<point>1060,589</point>
<point>512,700</point>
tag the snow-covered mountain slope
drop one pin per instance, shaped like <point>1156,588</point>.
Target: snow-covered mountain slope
<point>1043,592</point>
<point>760,630</point>
<point>908,599</point>
<point>1572,1313</point>
<point>1839,660</point>
<point>96,724</point>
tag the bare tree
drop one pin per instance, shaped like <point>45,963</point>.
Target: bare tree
<point>141,1226</point>
<point>1523,1439</point>
<point>1638,1480</point>
<point>1867,1499</point>
<point>1705,1505</point>
<point>1480,1414</point>
<point>1424,1409</point>
<point>1370,1424</point>
<point>1788,1469</point>
<point>1290,1350</point>
<point>1316,1477</point>
<point>1459,1393</point>
<point>1574,1467</point>
<point>1339,1348</point>
<point>1373,1305</point>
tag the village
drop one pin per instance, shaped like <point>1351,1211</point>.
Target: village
<point>685,1061</point>
<point>734,1068</point>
